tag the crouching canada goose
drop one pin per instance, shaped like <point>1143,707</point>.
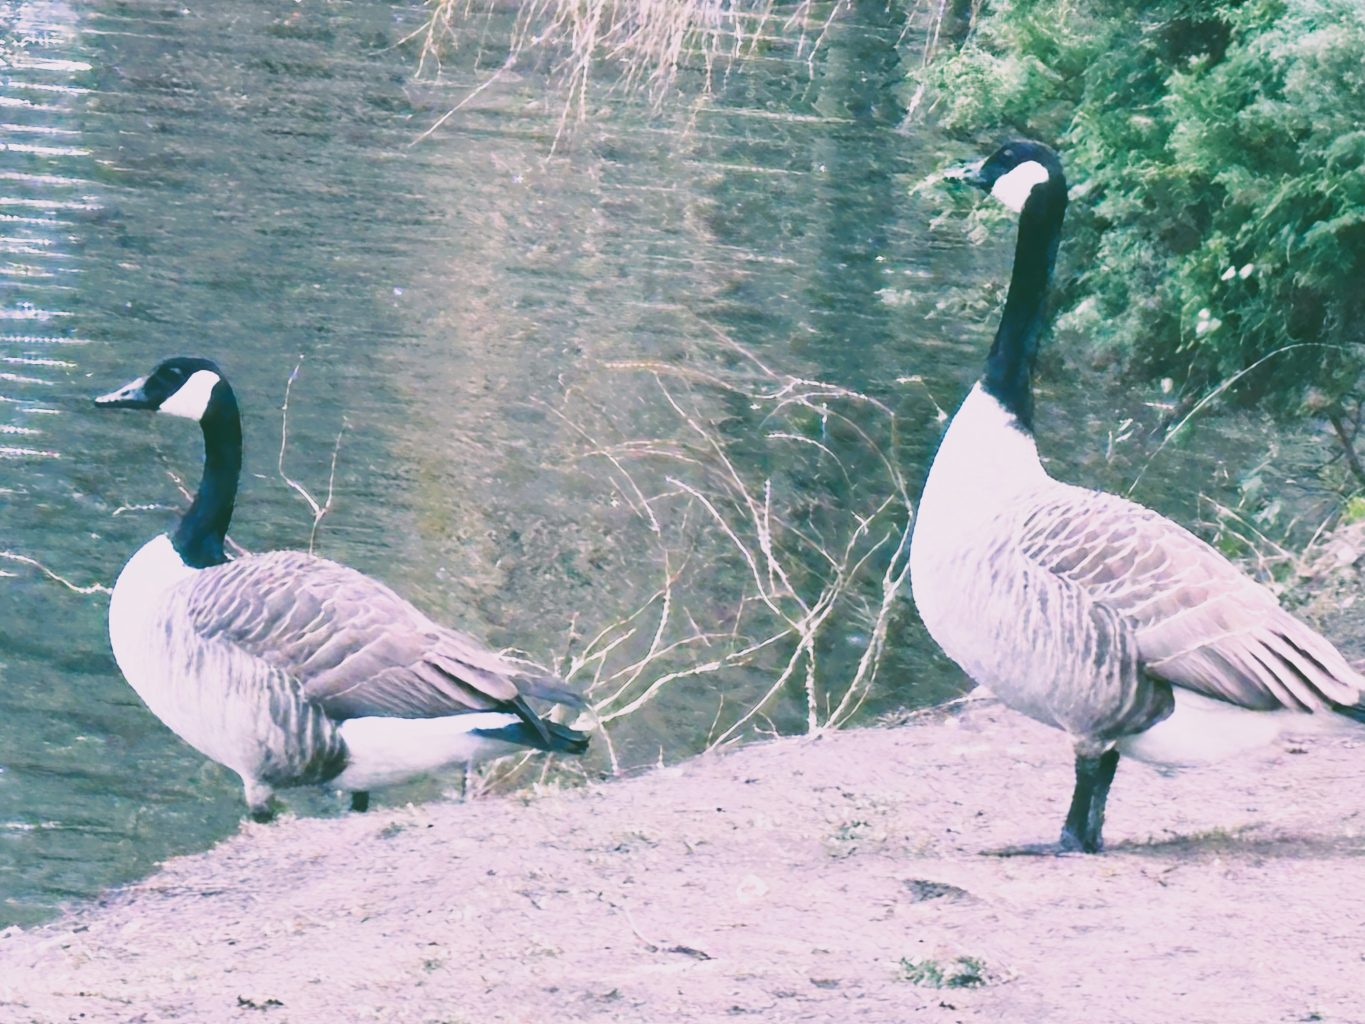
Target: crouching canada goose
<point>293,670</point>
<point>1082,610</point>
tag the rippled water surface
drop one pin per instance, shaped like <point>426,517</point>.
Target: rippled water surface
<point>470,314</point>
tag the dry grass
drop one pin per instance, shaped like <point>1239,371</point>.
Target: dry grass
<point>646,44</point>
<point>33,563</point>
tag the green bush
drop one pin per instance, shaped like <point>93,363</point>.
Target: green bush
<point>1217,158</point>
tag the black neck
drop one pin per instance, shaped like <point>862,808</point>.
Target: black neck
<point>199,537</point>
<point>1009,366</point>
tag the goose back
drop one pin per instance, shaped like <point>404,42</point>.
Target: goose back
<point>356,647</point>
<point>259,662</point>
<point>998,613</point>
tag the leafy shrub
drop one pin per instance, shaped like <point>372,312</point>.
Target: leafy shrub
<point>1217,158</point>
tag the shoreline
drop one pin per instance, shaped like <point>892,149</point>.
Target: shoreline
<point>845,877</point>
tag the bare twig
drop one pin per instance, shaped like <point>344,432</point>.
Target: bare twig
<point>1348,447</point>
<point>1212,395</point>
<point>319,510</point>
<point>92,588</point>
<point>797,584</point>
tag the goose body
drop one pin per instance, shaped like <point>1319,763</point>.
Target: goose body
<point>1082,610</point>
<point>292,669</point>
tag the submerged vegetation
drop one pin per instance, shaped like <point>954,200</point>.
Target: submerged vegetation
<point>1219,149</point>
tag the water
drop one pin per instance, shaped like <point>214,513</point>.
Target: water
<point>469,316</point>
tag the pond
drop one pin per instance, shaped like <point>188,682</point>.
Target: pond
<point>571,384</point>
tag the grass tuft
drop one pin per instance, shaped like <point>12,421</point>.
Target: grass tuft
<point>962,972</point>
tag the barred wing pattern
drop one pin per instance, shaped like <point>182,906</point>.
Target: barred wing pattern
<point>1045,646</point>
<point>1200,623</point>
<point>357,648</point>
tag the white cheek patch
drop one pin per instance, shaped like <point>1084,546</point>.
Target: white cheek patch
<point>1014,188</point>
<point>192,398</point>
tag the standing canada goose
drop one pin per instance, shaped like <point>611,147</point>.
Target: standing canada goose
<point>1082,610</point>
<point>293,670</point>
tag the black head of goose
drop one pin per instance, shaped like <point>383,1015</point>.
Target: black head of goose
<point>291,669</point>
<point>1083,610</point>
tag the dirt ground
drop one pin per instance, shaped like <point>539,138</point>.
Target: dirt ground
<point>844,878</point>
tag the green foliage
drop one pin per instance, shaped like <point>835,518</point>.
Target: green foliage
<point>1217,158</point>
<point>1354,509</point>
<point>963,972</point>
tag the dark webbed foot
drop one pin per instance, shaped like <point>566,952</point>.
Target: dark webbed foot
<point>261,804</point>
<point>1085,819</point>
<point>360,801</point>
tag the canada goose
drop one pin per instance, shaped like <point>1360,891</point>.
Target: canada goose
<point>1082,610</point>
<point>293,670</point>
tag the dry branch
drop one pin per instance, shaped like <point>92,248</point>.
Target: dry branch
<point>728,536</point>
<point>647,43</point>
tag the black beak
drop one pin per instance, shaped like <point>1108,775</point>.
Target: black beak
<point>131,396</point>
<point>969,174</point>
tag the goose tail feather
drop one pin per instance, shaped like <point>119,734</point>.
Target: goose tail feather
<point>550,688</point>
<point>1355,712</point>
<point>554,737</point>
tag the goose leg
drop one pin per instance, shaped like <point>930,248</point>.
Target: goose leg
<point>260,800</point>
<point>1085,819</point>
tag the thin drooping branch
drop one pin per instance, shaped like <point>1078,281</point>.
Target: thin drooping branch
<point>645,44</point>
<point>1348,447</point>
<point>753,594</point>
<point>89,588</point>
<point>319,509</point>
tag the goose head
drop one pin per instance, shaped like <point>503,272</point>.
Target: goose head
<point>195,389</point>
<point>182,386</point>
<point>1014,172</point>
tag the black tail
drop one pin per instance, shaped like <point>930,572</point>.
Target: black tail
<point>1355,712</point>
<point>553,736</point>
<point>551,688</point>
<point>565,740</point>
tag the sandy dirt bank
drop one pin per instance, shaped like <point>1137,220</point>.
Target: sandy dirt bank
<point>846,878</point>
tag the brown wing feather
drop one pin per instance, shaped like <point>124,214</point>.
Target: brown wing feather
<point>355,646</point>
<point>1200,622</point>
